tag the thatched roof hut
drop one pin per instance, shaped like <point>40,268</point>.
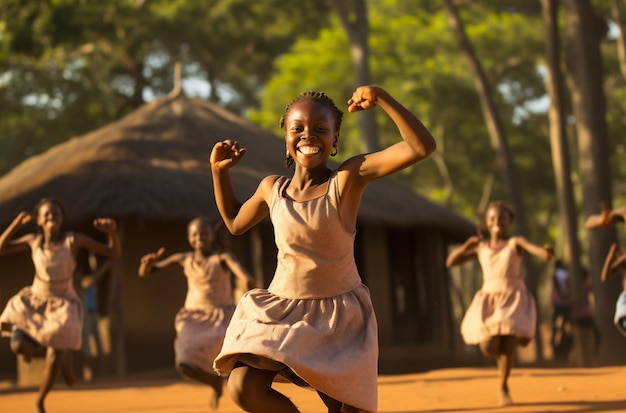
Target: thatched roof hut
<point>150,171</point>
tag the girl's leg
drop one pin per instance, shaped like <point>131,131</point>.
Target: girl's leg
<point>212,380</point>
<point>491,347</point>
<point>67,367</point>
<point>334,406</point>
<point>50,373</point>
<point>505,364</point>
<point>251,389</point>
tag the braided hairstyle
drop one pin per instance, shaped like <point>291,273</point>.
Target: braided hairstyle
<point>320,97</point>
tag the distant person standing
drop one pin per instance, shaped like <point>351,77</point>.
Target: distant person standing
<point>561,312</point>
<point>88,288</point>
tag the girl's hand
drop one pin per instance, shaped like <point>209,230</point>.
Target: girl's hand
<point>148,261</point>
<point>364,97</point>
<point>226,154</point>
<point>106,225</point>
<point>549,251</point>
<point>22,219</point>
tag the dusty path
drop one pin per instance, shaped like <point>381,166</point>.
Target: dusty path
<point>446,390</point>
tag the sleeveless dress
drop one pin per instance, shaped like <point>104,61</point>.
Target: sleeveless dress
<point>209,305</point>
<point>315,323</point>
<point>503,306</point>
<point>49,310</point>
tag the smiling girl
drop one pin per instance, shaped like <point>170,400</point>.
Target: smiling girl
<point>314,325</point>
<point>47,316</point>
<point>503,312</point>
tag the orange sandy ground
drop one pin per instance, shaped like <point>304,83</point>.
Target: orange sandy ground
<point>446,390</point>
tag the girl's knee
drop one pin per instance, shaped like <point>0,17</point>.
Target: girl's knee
<point>248,387</point>
<point>490,347</point>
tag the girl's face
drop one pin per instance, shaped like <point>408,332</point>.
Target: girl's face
<point>200,236</point>
<point>497,221</point>
<point>310,133</point>
<point>50,217</point>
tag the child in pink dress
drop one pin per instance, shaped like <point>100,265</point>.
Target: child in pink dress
<point>48,315</point>
<point>201,323</point>
<point>315,324</point>
<point>503,312</point>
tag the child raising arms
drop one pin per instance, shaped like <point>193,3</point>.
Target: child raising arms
<point>615,261</point>
<point>315,324</point>
<point>49,314</point>
<point>201,324</point>
<point>503,312</point>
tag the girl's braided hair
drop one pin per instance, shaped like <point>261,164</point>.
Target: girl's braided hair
<point>320,97</point>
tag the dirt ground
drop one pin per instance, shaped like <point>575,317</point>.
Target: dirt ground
<point>446,390</point>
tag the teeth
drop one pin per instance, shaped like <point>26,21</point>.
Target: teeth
<point>308,149</point>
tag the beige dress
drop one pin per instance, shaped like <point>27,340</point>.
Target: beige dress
<point>315,323</point>
<point>209,305</point>
<point>49,310</point>
<point>503,306</point>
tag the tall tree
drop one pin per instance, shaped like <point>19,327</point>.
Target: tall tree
<point>353,17</point>
<point>557,114</point>
<point>584,62</point>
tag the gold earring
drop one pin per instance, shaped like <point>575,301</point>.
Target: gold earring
<point>333,151</point>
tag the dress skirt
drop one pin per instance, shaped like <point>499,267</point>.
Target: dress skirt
<point>329,344</point>
<point>507,312</point>
<point>50,319</point>
<point>200,334</point>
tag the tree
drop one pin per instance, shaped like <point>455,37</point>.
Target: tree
<point>562,169</point>
<point>584,32</point>
<point>354,21</point>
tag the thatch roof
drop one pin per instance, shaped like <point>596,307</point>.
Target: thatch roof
<point>154,163</point>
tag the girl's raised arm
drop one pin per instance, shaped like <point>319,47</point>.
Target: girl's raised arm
<point>546,252</point>
<point>417,142</point>
<point>152,260</point>
<point>238,217</point>
<point>9,245</point>
<point>111,249</point>
<point>237,269</point>
<point>463,253</point>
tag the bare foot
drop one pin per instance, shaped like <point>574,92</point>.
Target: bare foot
<point>39,407</point>
<point>505,398</point>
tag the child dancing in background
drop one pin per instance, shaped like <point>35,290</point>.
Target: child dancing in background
<point>503,312</point>
<point>615,261</point>
<point>48,315</point>
<point>209,305</point>
<point>315,324</point>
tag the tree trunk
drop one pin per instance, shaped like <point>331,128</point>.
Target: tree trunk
<point>584,63</point>
<point>562,173</point>
<point>498,141</point>
<point>353,18</point>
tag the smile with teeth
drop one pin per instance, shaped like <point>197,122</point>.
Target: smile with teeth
<point>308,150</point>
